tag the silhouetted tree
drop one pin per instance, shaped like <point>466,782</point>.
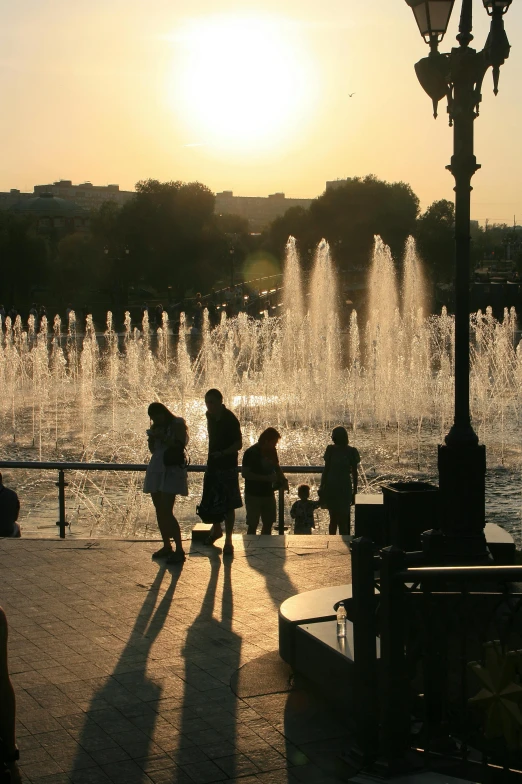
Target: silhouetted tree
<point>348,217</point>
<point>168,234</point>
<point>24,258</point>
<point>227,223</point>
<point>497,241</point>
<point>351,215</point>
<point>436,240</point>
<point>78,266</point>
<point>296,222</point>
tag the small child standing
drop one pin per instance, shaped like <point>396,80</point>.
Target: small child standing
<point>302,511</point>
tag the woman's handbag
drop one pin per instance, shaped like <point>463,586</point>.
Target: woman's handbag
<point>213,505</point>
<point>175,455</point>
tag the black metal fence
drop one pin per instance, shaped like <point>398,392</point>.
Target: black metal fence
<point>438,664</point>
<point>61,484</point>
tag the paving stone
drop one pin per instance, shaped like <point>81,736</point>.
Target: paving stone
<point>204,772</point>
<point>122,668</point>
<point>237,765</point>
<point>126,773</point>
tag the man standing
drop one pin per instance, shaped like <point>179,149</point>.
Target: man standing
<point>9,511</point>
<point>224,442</point>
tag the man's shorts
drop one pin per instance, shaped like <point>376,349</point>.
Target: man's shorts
<point>260,507</point>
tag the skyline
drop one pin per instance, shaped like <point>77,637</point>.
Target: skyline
<point>155,92</point>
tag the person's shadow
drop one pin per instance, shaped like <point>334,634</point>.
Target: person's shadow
<point>209,705</point>
<point>270,562</point>
<point>120,720</point>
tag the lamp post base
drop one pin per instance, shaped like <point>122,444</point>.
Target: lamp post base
<point>462,512</point>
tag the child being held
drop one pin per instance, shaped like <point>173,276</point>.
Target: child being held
<point>302,511</point>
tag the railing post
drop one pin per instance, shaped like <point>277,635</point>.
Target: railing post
<point>281,511</point>
<point>395,712</point>
<point>365,649</point>
<point>61,485</point>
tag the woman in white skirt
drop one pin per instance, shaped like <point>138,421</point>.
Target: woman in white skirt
<point>166,476</point>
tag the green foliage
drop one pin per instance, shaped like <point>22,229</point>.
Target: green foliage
<point>296,222</point>
<point>24,258</point>
<point>231,224</point>
<point>348,217</point>
<point>77,267</point>
<point>168,235</point>
<point>436,240</point>
<point>496,242</point>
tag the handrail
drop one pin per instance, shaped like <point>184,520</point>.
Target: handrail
<point>461,573</point>
<point>61,467</point>
<point>79,466</point>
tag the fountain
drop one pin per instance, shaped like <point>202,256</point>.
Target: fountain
<point>84,396</point>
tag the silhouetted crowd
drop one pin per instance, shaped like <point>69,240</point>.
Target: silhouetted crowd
<point>166,478</point>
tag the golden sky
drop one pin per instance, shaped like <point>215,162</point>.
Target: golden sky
<point>249,96</point>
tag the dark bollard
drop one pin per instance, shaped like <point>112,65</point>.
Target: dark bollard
<point>61,485</point>
<point>433,546</point>
<point>365,648</point>
<point>395,702</point>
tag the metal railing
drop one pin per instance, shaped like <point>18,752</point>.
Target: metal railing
<point>62,467</point>
<point>421,633</point>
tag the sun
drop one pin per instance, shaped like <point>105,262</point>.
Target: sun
<point>240,82</point>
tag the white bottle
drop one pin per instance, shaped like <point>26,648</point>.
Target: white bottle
<point>341,620</point>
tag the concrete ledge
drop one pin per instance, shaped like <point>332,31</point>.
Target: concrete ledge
<point>501,544</point>
<point>200,532</point>
<point>309,607</point>
<point>326,660</point>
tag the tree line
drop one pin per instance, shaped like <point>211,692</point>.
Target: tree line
<point>168,238</point>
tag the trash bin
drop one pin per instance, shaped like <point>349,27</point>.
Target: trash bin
<point>409,508</point>
<point>369,518</point>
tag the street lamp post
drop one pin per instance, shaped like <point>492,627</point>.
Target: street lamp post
<point>458,76</point>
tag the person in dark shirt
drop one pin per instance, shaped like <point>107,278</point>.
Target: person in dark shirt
<point>9,511</point>
<point>262,476</point>
<point>224,442</point>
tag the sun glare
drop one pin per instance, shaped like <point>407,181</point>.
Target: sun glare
<point>240,82</point>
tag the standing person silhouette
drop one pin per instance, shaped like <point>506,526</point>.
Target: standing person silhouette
<point>9,511</point>
<point>166,476</point>
<point>339,481</point>
<point>224,442</point>
<point>263,477</point>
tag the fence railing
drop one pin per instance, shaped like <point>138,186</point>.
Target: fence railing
<point>62,467</point>
<point>438,661</point>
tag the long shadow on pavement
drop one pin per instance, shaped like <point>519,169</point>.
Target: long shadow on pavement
<point>270,563</point>
<point>120,721</point>
<point>212,652</point>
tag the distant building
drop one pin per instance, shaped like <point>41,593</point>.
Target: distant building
<point>53,213</point>
<point>10,198</point>
<point>260,211</point>
<point>331,184</point>
<point>86,194</point>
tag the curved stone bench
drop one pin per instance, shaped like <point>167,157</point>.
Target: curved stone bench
<point>308,641</point>
<point>305,608</point>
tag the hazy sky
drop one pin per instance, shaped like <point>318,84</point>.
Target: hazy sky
<point>249,96</point>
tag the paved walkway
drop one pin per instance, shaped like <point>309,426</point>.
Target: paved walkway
<point>122,667</point>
